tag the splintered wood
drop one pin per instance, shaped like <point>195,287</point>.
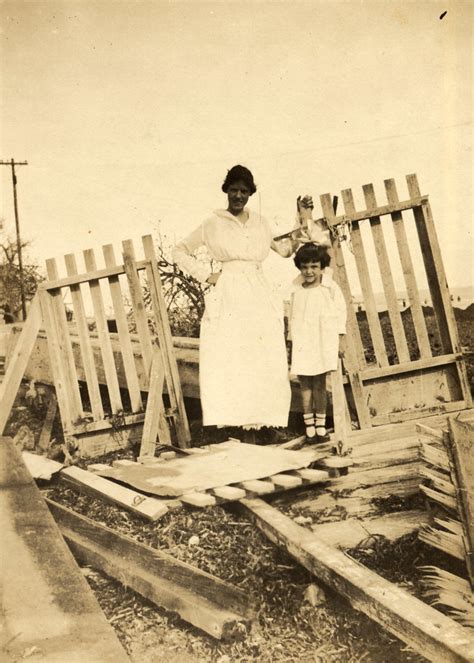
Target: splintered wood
<point>448,485</point>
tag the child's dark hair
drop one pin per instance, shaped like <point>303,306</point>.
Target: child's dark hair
<point>310,252</point>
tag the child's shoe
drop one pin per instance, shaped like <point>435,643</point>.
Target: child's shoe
<point>321,433</point>
<point>310,428</point>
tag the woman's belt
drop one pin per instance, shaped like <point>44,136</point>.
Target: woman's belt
<point>241,266</point>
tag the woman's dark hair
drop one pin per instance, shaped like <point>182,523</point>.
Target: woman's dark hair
<point>237,173</point>
<point>310,252</point>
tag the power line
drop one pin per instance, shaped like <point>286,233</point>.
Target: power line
<point>12,163</point>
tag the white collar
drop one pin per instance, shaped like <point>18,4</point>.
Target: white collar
<point>326,280</point>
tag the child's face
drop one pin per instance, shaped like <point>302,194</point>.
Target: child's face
<point>311,271</point>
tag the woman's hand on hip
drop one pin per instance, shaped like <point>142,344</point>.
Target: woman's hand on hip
<point>213,278</point>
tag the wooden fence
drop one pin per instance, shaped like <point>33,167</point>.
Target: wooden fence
<point>391,387</point>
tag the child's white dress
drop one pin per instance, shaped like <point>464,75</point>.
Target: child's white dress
<point>318,316</point>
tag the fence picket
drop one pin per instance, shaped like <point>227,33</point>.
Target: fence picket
<point>365,283</point>
<point>84,341</point>
<point>71,383</point>
<point>103,334</point>
<point>408,273</point>
<point>126,347</point>
<point>387,279</point>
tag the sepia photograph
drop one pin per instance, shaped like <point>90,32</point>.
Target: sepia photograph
<point>236,331</point>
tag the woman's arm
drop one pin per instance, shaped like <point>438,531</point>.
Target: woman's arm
<point>183,256</point>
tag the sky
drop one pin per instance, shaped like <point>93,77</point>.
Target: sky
<point>130,113</point>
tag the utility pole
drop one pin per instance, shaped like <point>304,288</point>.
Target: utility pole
<point>14,163</point>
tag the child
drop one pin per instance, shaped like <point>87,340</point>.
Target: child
<point>317,327</point>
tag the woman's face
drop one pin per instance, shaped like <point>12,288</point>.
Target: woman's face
<point>238,194</point>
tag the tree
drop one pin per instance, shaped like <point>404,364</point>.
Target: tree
<point>10,280</point>
<point>183,294</point>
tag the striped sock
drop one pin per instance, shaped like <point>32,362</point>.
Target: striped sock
<point>309,423</point>
<point>320,423</point>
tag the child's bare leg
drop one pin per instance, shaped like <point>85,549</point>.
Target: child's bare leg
<point>306,386</point>
<point>320,405</point>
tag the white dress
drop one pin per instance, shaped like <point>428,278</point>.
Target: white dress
<point>317,317</point>
<point>243,367</point>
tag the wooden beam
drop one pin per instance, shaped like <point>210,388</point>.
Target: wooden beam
<point>19,361</point>
<point>46,601</point>
<point>65,282</point>
<point>412,203</point>
<point>409,367</point>
<point>460,445</point>
<point>155,425</point>
<point>426,630</point>
<point>163,332</point>
<point>91,484</point>
<point>438,284</point>
<point>210,604</point>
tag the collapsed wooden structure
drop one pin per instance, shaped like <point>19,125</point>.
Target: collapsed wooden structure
<point>101,380</point>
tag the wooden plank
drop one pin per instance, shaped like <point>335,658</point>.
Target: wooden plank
<point>418,413</point>
<point>200,500</point>
<point>229,493</point>
<point>349,533</point>
<point>460,444</point>
<point>409,367</point>
<point>210,604</point>
<point>138,304</point>
<point>438,285</point>
<point>257,486</point>
<point>40,467</point>
<point>413,202</point>
<point>447,542</point>
<point>286,481</point>
<point>103,333</point>
<point>55,363</point>
<point>355,356</point>
<point>87,276</point>
<point>66,356</point>
<point>155,424</point>
<point>18,362</point>
<point>148,507</point>
<point>387,279</point>
<point>408,272</point>
<point>441,498</point>
<point>339,406</point>
<point>84,341</point>
<point>430,431</point>
<point>434,456</point>
<point>165,340</point>
<point>130,368</point>
<point>360,398</point>
<point>366,283</point>
<point>355,350</point>
<point>439,480</point>
<point>45,435</point>
<point>46,602</point>
<point>424,629</point>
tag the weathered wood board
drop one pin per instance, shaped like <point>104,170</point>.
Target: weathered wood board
<point>224,464</point>
<point>46,601</point>
<point>205,601</point>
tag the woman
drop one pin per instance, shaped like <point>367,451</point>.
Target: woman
<point>243,368</point>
